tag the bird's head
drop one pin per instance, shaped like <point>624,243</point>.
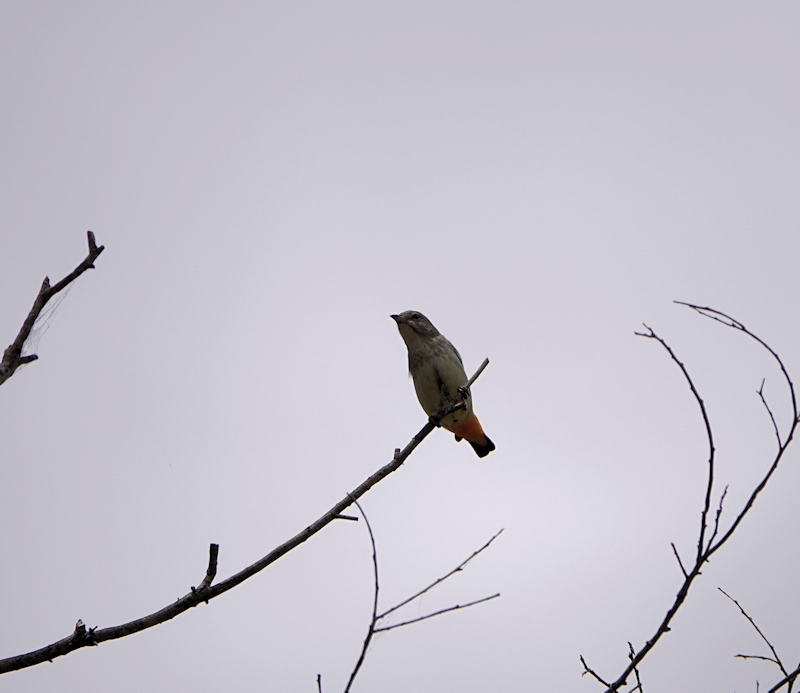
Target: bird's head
<point>414,326</point>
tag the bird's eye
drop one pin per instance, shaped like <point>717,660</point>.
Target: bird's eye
<point>415,316</point>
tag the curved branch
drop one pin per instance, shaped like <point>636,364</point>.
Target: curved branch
<point>12,356</point>
<point>709,547</point>
<point>371,630</point>
<point>205,592</point>
<point>735,324</point>
<point>709,434</point>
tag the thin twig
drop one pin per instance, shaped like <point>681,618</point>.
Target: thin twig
<point>713,314</point>
<point>716,519</point>
<point>761,657</point>
<point>193,598</point>
<point>457,569</point>
<point>12,356</point>
<point>776,659</point>
<point>435,613</point>
<point>680,562</point>
<point>632,656</point>
<point>731,322</point>
<point>478,372</point>
<point>592,672</point>
<point>709,434</point>
<point>319,683</point>
<point>371,630</point>
<point>769,411</point>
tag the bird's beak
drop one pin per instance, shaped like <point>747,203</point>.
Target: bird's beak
<point>398,319</point>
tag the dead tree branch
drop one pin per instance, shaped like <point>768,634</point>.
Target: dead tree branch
<point>373,620</point>
<point>788,678</point>
<point>706,547</point>
<point>631,655</point>
<point>377,617</point>
<point>436,613</point>
<point>592,672</point>
<point>206,591</point>
<point>775,659</point>
<point>455,570</point>
<point>12,356</point>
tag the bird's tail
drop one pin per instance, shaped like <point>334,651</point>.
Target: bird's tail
<point>482,450</point>
<point>472,431</point>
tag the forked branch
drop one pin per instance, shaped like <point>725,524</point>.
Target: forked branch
<point>775,659</point>
<point>708,545</point>
<point>788,678</point>
<point>12,356</point>
<point>373,626</point>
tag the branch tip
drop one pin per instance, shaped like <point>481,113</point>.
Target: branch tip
<point>12,356</point>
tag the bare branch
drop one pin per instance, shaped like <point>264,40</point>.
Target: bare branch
<point>371,629</point>
<point>680,563</point>
<point>790,678</point>
<point>716,519</point>
<point>721,317</point>
<point>12,356</point>
<point>375,617</point>
<point>731,322</point>
<point>592,672</point>
<point>752,499</point>
<point>196,596</point>
<point>769,411</point>
<point>436,613</point>
<point>632,656</point>
<point>455,570</point>
<point>709,434</point>
<point>765,659</point>
<point>211,572</point>
<point>706,549</point>
<point>776,659</point>
<point>478,372</point>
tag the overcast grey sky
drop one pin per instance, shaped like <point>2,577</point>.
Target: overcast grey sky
<point>271,181</point>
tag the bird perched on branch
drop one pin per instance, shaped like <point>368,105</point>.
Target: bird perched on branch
<point>439,378</point>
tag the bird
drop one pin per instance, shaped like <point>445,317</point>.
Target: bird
<point>439,377</point>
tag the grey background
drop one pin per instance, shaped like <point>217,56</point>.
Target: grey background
<point>271,181</point>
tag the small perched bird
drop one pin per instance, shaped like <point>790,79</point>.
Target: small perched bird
<point>439,377</point>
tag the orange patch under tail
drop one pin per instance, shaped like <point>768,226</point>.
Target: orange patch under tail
<point>472,432</point>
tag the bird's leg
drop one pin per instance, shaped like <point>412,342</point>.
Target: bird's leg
<point>447,405</point>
